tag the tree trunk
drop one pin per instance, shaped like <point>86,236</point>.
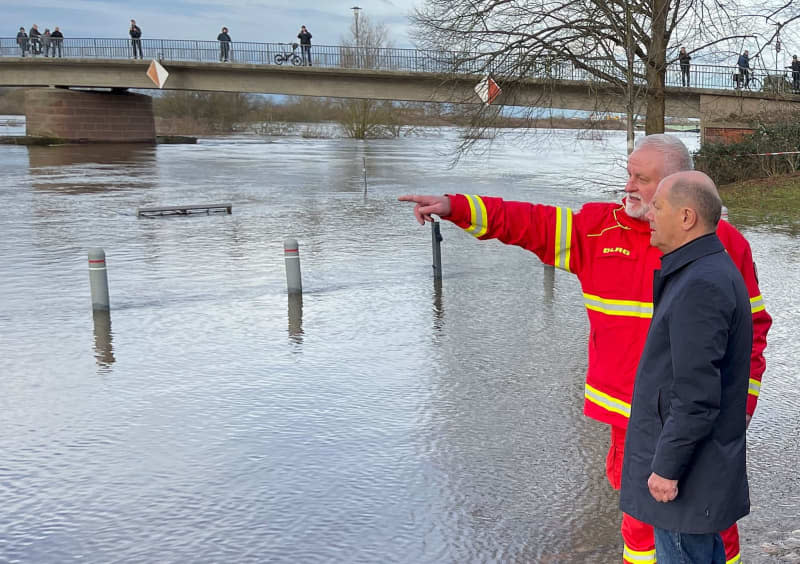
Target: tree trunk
<point>656,68</point>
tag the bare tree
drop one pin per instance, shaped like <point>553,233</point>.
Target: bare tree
<point>362,48</point>
<point>621,44</point>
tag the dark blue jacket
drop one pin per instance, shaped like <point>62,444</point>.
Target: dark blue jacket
<point>687,418</point>
<point>743,62</point>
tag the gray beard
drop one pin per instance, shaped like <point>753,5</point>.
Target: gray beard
<point>640,213</point>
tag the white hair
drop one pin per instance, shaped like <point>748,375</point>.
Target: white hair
<point>676,156</point>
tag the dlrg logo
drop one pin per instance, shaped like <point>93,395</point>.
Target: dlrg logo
<point>625,252</point>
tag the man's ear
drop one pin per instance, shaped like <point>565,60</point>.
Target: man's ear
<point>688,218</point>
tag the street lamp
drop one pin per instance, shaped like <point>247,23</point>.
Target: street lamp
<point>355,16</point>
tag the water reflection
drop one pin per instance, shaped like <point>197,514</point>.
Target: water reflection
<point>438,306</point>
<point>296,318</point>
<point>549,284</point>
<point>103,341</point>
<point>91,168</point>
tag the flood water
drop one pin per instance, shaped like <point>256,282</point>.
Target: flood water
<point>210,419</point>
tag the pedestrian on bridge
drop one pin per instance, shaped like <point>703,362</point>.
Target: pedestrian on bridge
<point>46,42</point>
<point>36,46</point>
<point>136,39</point>
<point>795,66</point>
<point>608,247</point>
<point>684,59</point>
<point>58,39</point>
<point>22,40</point>
<point>743,65</point>
<point>305,45</point>
<point>224,45</point>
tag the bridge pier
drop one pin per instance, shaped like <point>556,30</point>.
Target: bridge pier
<point>86,116</point>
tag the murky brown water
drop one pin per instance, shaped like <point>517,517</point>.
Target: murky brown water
<point>211,419</point>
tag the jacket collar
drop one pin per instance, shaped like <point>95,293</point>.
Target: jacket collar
<point>690,252</point>
<point>628,221</point>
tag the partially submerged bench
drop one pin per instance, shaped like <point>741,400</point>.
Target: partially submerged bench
<point>184,210</point>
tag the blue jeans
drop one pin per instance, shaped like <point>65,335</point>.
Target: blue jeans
<point>684,548</point>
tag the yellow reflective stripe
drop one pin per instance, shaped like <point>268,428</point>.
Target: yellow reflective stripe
<point>606,401</point>
<point>735,560</point>
<point>754,388</point>
<point>563,238</point>
<point>756,304</point>
<point>639,556</point>
<point>478,223</point>
<point>625,308</point>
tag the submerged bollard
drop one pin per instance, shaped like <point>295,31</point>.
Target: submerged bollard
<point>724,214</point>
<point>98,279</point>
<point>291,256</point>
<point>436,240</point>
<point>364,170</point>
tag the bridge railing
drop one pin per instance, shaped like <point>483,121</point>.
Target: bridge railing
<point>518,65</point>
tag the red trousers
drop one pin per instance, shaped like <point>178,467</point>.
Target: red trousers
<point>640,547</point>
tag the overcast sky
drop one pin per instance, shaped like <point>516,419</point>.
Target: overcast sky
<point>247,20</point>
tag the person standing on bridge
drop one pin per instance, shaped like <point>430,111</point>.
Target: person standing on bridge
<point>58,39</point>
<point>22,40</point>
<point>136,39</point>
<point>744,69</point>
<point>46,42</point>
<point>607,246</point>
<point>685,60</point>
<point>305,45</point>
<point>224,45</point>
<point>795,66</point>
<point>36,46</point>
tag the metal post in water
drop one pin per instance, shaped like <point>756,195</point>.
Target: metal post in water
<point>724,214</point>
<point>291,256</point>
<point>436,240</point>
<point>364,170</point>
<point>98,279</point>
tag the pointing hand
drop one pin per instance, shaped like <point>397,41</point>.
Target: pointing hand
<point>427,205</point>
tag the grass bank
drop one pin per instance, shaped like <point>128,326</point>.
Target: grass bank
<point>765,201</point>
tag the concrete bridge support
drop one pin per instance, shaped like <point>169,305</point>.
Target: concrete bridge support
<point>89,116</point>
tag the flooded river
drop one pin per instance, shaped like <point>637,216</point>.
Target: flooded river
<point>381,420</point>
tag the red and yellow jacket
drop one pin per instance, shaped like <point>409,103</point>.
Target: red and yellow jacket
<point>611,255</point>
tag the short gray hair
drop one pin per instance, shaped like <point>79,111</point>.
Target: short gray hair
<point>676,156</point>
<point>702,195</point>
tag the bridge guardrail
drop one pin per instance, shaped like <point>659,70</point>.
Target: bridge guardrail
<point>390,59</point>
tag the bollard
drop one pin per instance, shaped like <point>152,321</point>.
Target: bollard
<point>291,256</point>
<point>724,214</point>
<point>98,279</point>
<point>436,239</point>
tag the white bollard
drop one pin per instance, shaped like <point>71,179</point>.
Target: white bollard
<point>724,214</point>
<point>291,256</point>
<point>98,279</point>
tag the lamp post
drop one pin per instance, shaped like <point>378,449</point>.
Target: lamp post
<point>355,16</point>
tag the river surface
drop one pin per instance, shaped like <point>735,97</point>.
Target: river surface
<point>211,419</point>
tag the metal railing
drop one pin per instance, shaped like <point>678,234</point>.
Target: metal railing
<point>518,65</point>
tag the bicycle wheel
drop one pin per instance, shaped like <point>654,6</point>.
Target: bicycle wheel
<point>296,60</point>
<point>755,84</point>
<point>279,59</point>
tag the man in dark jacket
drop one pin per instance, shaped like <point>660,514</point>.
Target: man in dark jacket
<point>58,40</point>
<point>136,39</point>
<point>685,60</point>
<point>743,64</point>
<point>305,45</point>
<point>684,468</point>
<point>795,66</point>
<point>224,45</point>
<point>22,40</point>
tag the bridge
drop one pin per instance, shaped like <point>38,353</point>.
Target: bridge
<point>345,72</point>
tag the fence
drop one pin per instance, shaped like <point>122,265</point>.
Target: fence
<point>518,65</point>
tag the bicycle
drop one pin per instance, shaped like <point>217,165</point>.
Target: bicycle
<point>740,81</point>
<point>289,56</point>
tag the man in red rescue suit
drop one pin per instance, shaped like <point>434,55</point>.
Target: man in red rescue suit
<point>607,246</point>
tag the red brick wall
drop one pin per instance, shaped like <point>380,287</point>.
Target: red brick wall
<point>110,117</point>
<point>725,134</point>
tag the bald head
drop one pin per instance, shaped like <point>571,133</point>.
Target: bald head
<point>694,189</point>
